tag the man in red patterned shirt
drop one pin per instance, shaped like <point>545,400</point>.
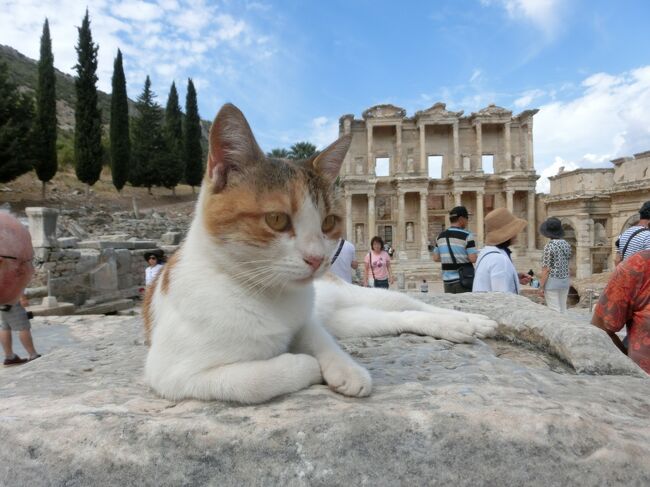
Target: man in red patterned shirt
<point>626,299</point>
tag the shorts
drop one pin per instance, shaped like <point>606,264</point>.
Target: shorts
<point>15,319</point>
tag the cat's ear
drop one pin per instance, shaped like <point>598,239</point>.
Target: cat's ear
<point>232,146</point>
<point>328,162</point>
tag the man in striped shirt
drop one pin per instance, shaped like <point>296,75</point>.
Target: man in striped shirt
<point>462,245</point>
<point>636,238</point>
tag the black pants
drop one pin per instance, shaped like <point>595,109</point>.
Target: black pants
<point>454,287</point>
<point>383,283</point>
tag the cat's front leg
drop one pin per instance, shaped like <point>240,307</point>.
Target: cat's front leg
<point>341,373</point>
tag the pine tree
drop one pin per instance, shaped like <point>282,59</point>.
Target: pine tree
<point>193,152</point>
<point>46,163</point>
<point>172,166</point>
<point>119,130</point>
<point>147,140</point>
<point>16,122</point>
<point>88,123</point>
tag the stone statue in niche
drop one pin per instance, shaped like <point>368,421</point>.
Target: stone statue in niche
<point>466,164</point>
<point>358,164</point>
<point>517,162</point>
<point>358,234</point>
<point>410,165</point>
<point>409,232</point>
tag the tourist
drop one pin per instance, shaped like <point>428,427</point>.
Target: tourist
<point>636,238</point>
<point>424,287</point>
<point>626,299</point>
<point>344,260</point>
<point>155,265</point>
<point>16,259</point>
<point>494,268</point>
<point>456,250</point>
<point>554,283</point>
<point>377,263</point>
<point>16,319</point>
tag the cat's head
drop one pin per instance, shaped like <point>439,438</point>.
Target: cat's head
<point>276,221</point>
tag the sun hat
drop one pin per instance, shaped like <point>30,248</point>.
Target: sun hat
<point>552,228</point>
<point>501,226</point>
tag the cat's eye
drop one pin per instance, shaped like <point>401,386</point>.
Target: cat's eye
<point>280,222</point>
<point>329,223</point>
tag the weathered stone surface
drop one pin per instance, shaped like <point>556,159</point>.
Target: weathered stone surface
<point>489,413</point>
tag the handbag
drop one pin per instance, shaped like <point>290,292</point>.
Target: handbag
<point>466,271</point>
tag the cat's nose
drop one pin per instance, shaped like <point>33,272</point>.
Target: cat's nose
<point>313,261</point>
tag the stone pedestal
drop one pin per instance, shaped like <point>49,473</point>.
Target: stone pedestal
<point>42,226</point>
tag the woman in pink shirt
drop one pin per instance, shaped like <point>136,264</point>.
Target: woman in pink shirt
<point>377,264</point>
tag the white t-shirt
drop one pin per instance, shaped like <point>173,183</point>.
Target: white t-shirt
<point>150,273</point>
<point>342,266</point>
<point>495,272</point>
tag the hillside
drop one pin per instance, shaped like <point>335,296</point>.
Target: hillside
<point>23,72</point>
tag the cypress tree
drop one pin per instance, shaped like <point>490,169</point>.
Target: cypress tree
<point>147,140</point>
<point>172,165</point>
<point>17,119</point>
<point>88,124</point>
<point>193,152</point>
<point>46,164</point>
<point>119,130</point>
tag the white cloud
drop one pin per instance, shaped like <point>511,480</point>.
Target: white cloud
<point>544,14</point>
<point>527,98</point>
<point>610,118</point>
<point>476,75</point>
<point>324,131</point>
<point>558,165</point>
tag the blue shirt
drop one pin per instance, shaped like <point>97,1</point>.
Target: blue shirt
<point>462,244</point>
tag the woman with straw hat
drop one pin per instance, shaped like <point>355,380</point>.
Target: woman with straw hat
<point>494,268</point>
<point>554,284</point>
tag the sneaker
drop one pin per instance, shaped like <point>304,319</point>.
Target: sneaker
<point>15,361</point>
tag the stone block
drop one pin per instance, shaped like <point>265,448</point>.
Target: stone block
<point>68,242</point>
<point>143,244</point>
<point>106,244</point>
<point>171,238</point>
<point>42,226</point>
<point>103,278</point>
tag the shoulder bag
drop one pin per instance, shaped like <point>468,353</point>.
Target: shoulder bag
<point>465,270</point>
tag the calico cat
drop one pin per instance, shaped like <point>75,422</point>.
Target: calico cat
<point>244,309</point>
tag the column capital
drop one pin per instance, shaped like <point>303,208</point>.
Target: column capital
<point>480,191</point>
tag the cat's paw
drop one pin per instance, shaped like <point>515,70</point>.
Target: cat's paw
<point>458,328</point>
<point>346,377</point>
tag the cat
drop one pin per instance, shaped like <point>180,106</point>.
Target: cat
<point>244,311</point>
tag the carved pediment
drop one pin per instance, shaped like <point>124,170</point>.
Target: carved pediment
<point>437,111</point>
<point>384,111</point>
<point>492,111</point>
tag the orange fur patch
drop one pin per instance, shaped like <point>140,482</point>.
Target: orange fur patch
<point>147,314</point>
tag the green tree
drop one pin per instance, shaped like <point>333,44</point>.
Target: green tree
<point>279,153</point>
<point>302,150</point>
<point>16,123</point>
<point>172,166</point>
<point>46,163</point>
<point>147,140</point>
<point>192,135</point>
<point>88,123</point>
<point>120,142</point>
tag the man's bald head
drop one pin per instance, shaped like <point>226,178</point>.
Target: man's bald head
<point>15,267</point>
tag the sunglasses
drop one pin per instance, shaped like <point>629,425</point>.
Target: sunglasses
<point>33,261</point>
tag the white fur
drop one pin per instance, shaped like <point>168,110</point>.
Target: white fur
<point>247,324</point>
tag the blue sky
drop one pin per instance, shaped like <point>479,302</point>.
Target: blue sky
<point>294,67</point>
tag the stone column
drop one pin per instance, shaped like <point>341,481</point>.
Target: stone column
<point>458,198</point>
<point>400,240</point>
<point>371,218</point>
<point>42,226</point>
<point>456,147</point>
<point>371,160</point>
<point>508,152</point>
<point>529,145</point>
<point>479,146</point>
<point>399,164</point>
<point>510,193</point>
<point>480,236</point>
<point>532,225</point>
<point>348,217</point>
<point>423,149</point>
<point>424,227</point>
